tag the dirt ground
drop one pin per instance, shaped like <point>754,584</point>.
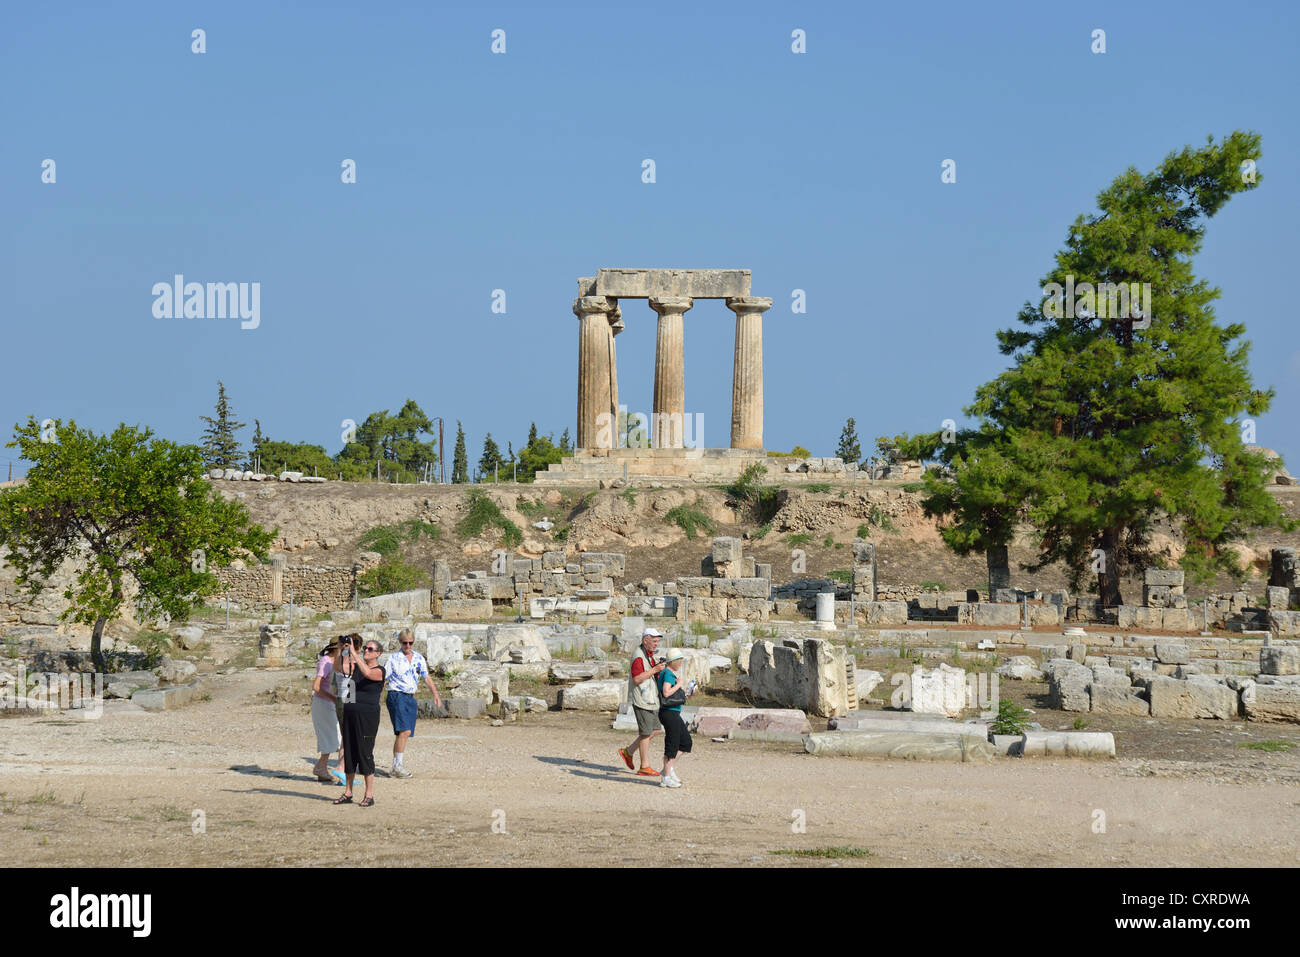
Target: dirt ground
<point>124,790</point>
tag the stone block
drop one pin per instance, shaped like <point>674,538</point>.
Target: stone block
<point>466,707</point>
<point>709,609</point>
<point>1046,615</point>
<point>466,609</point>
<point>695,586</point>
<point>749,609</point>
<point>1177,619</point>
<point>726,548</point>
<point>1171,698</point>
<point>1168,577</point>
<point>1112,698</point>
<point>579,670</point>
<point>1156,596</point>
<point>763,570</point>
<point>994,614</point>
<point>1172,652</point>
<point>886,612</point>
<point>741,587</point>
<point>941,691</point>
<point>1271,703</point>
<point>1277,598</point>
<point>166,699</point>
<point>1279,660</point>
<point>1284,624</point>
<point>605,695</point>
<point>125,684</point>
<point>502,639</point>
<point>615,562</point>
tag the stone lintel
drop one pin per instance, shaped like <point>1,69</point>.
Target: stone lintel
<point>695,283</point>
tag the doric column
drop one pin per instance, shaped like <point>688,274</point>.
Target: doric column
<point>747,377</point>
<point>594,383</point>
<point>670,371</point>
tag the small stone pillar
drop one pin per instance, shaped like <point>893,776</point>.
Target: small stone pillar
<point>441,579</point>
<point>825,611</point>
<point>277,578</point>
<point>272,646</point>
<point>670,371</point>
<point>747,374</point>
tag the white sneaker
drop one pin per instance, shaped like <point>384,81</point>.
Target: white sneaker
<point>668,782</point>
<point>399,771</point>
<point>676,779</point>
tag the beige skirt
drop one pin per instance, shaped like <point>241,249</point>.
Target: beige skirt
<point>325,720</point>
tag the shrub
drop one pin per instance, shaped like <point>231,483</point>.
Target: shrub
<point>484,514</point>
<point>801,539</point>
<point>818,487</point>
<point>1011,719</point>
<point>390,575</point>
<point>689,518</point>
<point>387,539</point>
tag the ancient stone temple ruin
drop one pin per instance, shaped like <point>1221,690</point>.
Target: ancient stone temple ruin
<point>600,449</point>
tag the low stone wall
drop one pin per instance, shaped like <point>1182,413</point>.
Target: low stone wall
<point>325,588</point>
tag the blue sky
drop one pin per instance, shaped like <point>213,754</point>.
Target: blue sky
<point>818,171</point>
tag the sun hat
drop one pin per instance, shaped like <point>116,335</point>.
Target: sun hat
<point>651,633</point>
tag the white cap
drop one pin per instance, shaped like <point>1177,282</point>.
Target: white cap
<point>651,633</point>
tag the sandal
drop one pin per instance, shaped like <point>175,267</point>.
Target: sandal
<point>367,802</point>
<point>345,799</point>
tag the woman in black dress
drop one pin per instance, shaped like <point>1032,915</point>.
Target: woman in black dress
<point>361,715</point>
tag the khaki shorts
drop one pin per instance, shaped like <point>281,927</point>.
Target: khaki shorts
<point>647,721</point>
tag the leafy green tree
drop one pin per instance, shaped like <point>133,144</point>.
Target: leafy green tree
<point>133,509</point>
<point>566,443</point>
<point>459,458</point>
<point>490,461</point>
<point>1112,417</point>
<point>536,455</point>
<point>849,449</point>
<point>390,441</point>
<point>220,447</point>
<point>298,457</point>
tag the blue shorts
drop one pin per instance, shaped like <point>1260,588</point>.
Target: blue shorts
<point>402,711</point>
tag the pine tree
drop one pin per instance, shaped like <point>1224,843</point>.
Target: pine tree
<point>259,442</point>
<point>849,449</point>
<point>220,447</point>
<point>566,443</point>
<point>490,460</point>
<point>460,460</point>
<point>1111,419</point>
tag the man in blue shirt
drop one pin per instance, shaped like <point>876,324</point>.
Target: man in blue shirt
<point>403,673</point>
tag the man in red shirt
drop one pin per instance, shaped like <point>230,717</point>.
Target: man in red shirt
<point>643,695</point>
